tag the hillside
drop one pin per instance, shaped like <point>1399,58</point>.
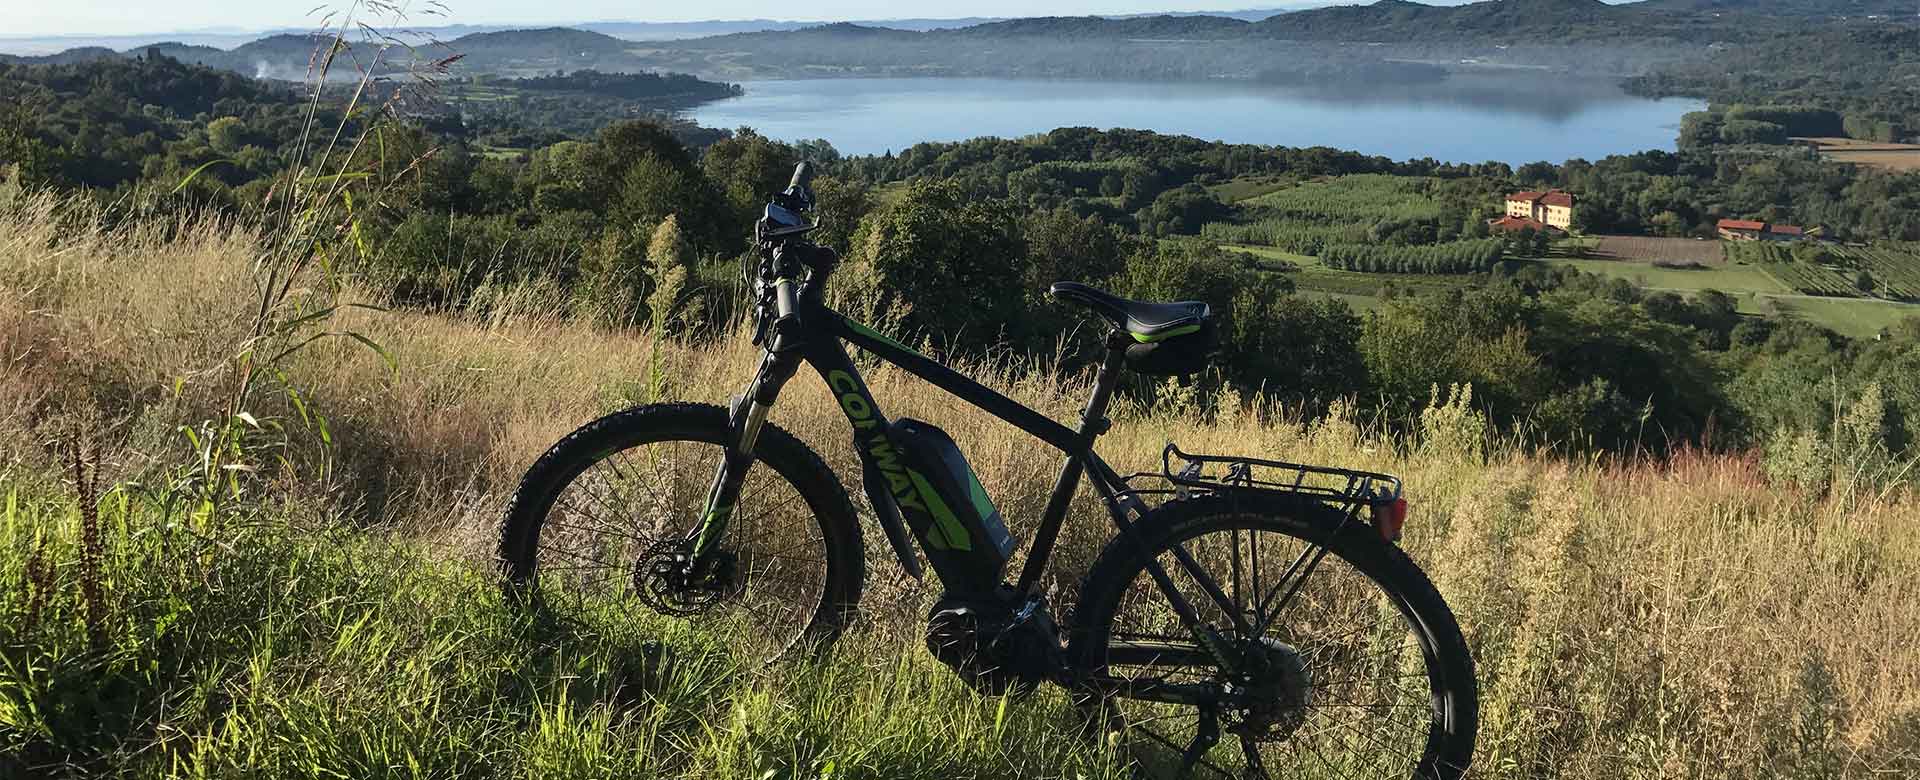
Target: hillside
<point>349,623</point>
<point>1491,20</point>
<point>1800,8</point>
<point>1567,35</point>
<point>1197,27</point>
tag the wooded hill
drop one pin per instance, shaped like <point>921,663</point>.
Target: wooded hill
<point>1673,26</point>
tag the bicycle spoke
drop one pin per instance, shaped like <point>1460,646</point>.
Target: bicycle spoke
<point>1256,766</point>
<point>1305,564</point>
<point>603,531</point>
<point>1368,712</point>
<point>1182,749</point>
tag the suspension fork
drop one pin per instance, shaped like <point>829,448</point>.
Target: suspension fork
<point>745,419</point>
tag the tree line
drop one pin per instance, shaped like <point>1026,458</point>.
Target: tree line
<point>953,246</point>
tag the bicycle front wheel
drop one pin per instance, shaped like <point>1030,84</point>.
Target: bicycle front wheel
<point>1344,660</point>
<point>597,522</point>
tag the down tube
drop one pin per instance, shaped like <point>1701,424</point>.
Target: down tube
<point>891,486</point>
<point>869,433</point>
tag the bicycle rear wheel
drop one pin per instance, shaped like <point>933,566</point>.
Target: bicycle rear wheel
<point>597,521</point>
<point>1348,663</point>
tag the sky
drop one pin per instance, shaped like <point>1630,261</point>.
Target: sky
<point>121,17</point>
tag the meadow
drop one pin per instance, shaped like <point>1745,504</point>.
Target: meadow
<point>336,614</point>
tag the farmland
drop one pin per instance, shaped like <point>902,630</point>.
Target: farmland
<point>1355,209</point>
<point>1890,156</point>
<point>1891,270</point>
<point>1361,235</point>
<point>1756,289</point>
<point>1725,278</point>
<point>1649,248</point>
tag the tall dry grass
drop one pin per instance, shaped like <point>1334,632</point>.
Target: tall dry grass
<point>1671,618</point>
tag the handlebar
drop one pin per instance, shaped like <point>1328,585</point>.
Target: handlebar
<point>784,252</point>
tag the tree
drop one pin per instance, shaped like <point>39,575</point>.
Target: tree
<point>1864,282</point>
<point>25,160</point>
<point>747,168</point>
<point>1537,173</point>
<point>1182,211</point>
<point>944,263</point>
<point>227,134</point>
<point>838,205</point>
<point>655,187</point>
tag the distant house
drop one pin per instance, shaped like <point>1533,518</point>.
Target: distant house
<point>1755,230</point>
<point>1537,210</point>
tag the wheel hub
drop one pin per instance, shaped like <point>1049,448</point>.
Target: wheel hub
<point>1274,692</point>
<point>672,582</point>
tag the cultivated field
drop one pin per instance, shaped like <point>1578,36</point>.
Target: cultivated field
<point>1648,249</point>
<point>1722,277</point>
<point>1892,268</point>
<point>1894,157</point>
<point>1310,217</point>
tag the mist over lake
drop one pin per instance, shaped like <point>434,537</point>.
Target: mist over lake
<point>1514,117</point>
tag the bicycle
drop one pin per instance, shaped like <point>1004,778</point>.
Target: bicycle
<point>1177,642</point>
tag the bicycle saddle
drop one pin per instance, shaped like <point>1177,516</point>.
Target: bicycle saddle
<point>1146,321</point>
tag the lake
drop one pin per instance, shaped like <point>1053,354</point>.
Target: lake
<point>1511,116</point>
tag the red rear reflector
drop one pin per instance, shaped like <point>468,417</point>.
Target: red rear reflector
<point>1390,518</point>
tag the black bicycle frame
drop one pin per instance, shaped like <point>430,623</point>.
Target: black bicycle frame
<point>806,330</point>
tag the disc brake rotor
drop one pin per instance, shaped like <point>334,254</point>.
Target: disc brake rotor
<point>669,580</point>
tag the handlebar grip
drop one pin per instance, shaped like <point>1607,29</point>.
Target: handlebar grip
<point>802,175</point>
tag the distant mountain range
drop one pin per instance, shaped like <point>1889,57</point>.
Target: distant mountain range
<point>632,31</point>
<point>1240,44</point>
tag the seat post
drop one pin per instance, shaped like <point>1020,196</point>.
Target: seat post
<point>1093,419</point>
<point>1093,422</point>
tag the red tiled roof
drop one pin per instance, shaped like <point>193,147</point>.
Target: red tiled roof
<point>1786,230</point>
<point>1550,197</point>
<point>1742,224</point>
<point>1517,223</point>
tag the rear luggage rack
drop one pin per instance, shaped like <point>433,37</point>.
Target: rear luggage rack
<point>1349,488</point>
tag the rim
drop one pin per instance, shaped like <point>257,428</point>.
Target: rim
<point>1349,689</point>
<point>629,508</point>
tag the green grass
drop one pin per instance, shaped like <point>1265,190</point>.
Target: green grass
<point>261,649</point>
<point>1849,317</point>
<point>1631,617</point>
<point>889,193</point>
<point>502,152</point>
<point>1242,188</point>
<point>1729,278</point>
<point>1269,254</point>
<point>1359,303</point>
